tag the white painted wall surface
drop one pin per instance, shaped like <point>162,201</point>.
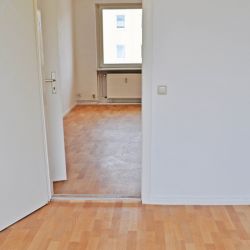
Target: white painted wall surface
<point>85,48</point>
<point>59,17</point>
<point>66,54</point>
<point>199,138</point>
<point>23,157</point>
<point>86,45</point>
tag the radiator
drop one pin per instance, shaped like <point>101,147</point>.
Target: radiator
<point>124,86</point>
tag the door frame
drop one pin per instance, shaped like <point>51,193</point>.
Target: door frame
<point>147,73</point>
<point>146,107</point>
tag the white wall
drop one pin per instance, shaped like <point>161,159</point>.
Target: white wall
<point>86,45</point>
<point>66,54</point>
<point>198,141</point>
<point>57,19</point>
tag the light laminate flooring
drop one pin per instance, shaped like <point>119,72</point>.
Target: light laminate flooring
<point>103,151</point>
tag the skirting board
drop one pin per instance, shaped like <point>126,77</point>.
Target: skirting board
<point>124,100</point>
<point>105,103</point>
<point>193,200</point>
<point>69,110</point>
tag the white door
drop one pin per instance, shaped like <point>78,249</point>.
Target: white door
<point>48,40</point>
<point>24,185</point>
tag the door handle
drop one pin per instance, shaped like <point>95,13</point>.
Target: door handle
<point>50,80</point>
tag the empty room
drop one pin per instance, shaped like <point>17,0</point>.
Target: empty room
<point>103,129</point>
<point>124,124</point>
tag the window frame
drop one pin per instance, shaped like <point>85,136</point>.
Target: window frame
<point>99,30</point>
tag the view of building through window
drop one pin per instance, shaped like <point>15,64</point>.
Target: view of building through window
<point>122,36</point>
<point>120,51</point>
<point>120,21</point>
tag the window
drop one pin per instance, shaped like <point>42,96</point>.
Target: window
<point>120,51</point>
<point>120,36</point>
<point>120,21</point>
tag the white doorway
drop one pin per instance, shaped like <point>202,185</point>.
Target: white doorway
<point>95,165</point>
<point>123,84</point>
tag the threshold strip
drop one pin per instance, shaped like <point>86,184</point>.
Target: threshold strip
<point>94,197</point>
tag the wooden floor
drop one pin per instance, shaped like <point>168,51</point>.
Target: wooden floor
<point>129,226</point>
<point>103,150</point>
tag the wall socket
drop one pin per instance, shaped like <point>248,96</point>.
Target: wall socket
<point>93,96</point>
<point>162,90</point>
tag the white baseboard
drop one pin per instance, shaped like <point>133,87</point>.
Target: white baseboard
<point>193,200</point>
<point>89,102</point>
<point>69,109</point>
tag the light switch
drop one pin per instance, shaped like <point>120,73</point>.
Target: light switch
<point>162,90</point>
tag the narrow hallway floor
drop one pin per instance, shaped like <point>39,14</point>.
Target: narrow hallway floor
<point>103,150</point>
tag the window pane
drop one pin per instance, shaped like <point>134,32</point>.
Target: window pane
<point>120,21</point>
<point>122,36</point>
<point>120,51</point>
